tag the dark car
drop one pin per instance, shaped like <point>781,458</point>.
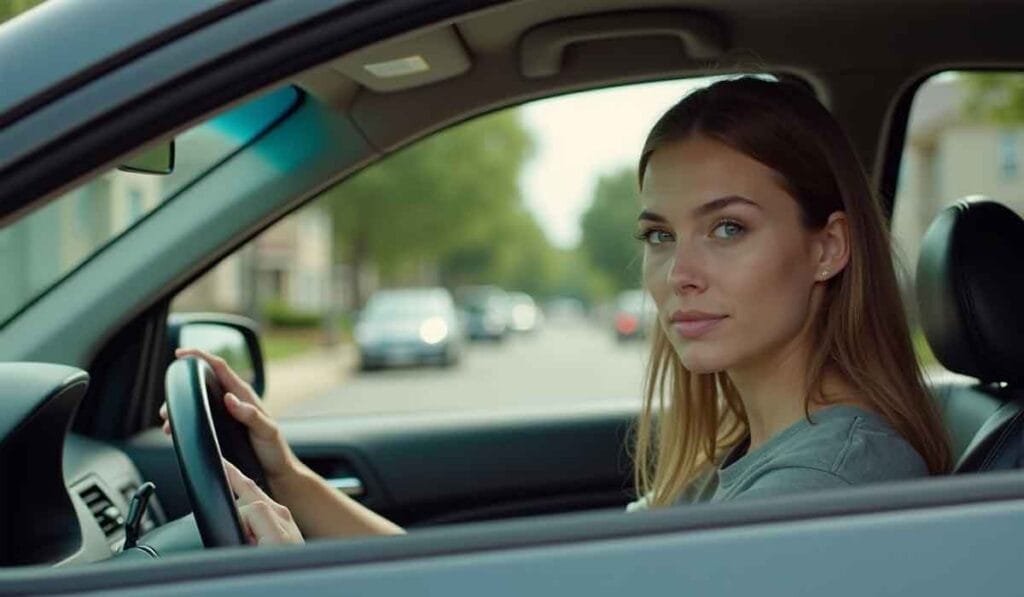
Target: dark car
<point>409,327</point>
<point>486,312</point>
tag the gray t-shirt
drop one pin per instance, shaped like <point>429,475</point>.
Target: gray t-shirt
<point>840,446</point>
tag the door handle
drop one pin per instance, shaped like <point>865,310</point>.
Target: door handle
<point>351,486</point>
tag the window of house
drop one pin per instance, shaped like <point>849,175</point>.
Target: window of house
<point>961,140</point>
<point>478,269</point>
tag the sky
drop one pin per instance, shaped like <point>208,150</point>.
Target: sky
<point>581,136</point>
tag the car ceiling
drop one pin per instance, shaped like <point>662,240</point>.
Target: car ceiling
<point>858,54</point>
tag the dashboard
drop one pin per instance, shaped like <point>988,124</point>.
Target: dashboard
<point>64,497</point>
<point>101,481</point>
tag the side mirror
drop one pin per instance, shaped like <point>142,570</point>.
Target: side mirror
<point>231,337</point>
<point>156,159</point>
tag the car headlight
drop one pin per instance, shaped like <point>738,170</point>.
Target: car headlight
<point>433,330</point>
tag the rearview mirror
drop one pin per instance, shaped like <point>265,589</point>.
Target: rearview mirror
<point>234,339</point>
<point>156,159</point>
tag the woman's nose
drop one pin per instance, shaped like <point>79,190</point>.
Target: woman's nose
<point>686,273</point>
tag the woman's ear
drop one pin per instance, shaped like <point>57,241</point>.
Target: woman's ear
<point>833,247</point>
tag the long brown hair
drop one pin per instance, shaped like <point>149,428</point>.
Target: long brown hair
<point>689,420</point>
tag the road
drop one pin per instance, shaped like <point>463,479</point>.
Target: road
<point>564,363</point>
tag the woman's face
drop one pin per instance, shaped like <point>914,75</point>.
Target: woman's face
<point>730,266</point>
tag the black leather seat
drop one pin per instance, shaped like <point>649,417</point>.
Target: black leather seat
<point>970,296</point>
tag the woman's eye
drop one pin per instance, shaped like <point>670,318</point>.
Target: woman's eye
<point>655,237</point>
<point>727,230</point>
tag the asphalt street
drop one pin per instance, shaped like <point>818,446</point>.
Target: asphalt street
<point>568,362</point>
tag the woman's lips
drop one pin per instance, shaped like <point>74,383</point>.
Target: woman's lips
<point>695,328</point>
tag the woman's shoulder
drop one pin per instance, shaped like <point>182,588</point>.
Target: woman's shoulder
<point>840,446</point>
<point>853,444</point>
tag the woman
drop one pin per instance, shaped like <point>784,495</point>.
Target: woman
<point>781,360</point>
<point>783,350</point>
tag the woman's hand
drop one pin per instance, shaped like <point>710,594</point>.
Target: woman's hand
<point>241,401</point>
<point>263,520</point>
<point>313,506</point>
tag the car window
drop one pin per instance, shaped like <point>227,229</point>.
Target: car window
<point>523,219</point>
<point>965,136</point>
<point>42,248</point>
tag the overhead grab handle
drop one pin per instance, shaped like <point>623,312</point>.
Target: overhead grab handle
<point>542,47</point>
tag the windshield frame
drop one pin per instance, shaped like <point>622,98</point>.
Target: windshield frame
<point>259,133</point>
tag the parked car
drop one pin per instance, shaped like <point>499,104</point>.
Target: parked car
<point>634,316</point>
<point>526,315</point>
<point>409,327</point>
<point>486,312</point>
<point>88,85</point>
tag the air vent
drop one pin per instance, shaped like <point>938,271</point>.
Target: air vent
<point>103,510</point>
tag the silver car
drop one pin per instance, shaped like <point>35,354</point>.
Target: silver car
<point>409,326</point>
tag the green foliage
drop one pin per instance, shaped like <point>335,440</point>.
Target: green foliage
<point>429,198</point>
<point>280,314</point>
<point>608,226</point>
<point>922,349</point>
<point>994,97</point>
<point>11,8</point>
<point>451,202</point>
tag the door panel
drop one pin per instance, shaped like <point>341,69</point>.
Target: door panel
<point>421,469</point>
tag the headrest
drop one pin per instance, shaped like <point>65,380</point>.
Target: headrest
<point>970,290</point>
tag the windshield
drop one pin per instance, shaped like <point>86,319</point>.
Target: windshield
<point>42,248</point>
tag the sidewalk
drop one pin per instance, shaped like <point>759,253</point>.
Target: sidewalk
<point>295,379</point>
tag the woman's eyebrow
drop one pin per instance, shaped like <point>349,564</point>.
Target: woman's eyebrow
<point>650,215</point>
<point>709,207</point>
<point>721,203</point>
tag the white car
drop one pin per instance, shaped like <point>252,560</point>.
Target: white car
<point>407,327</point>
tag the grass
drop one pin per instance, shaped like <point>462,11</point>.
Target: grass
<point>282,344</point>
<point>285,342</point>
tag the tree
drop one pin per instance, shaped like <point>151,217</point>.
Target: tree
<point>994,97</point>
<point>431,201</point>
<point>12,8</point>
<point>608,226</point>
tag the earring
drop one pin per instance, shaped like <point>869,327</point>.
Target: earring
<point>824,274</point>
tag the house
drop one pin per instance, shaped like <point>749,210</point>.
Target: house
<point>289,264</point>
<point>949,155</point>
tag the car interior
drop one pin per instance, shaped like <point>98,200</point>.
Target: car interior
<point>86,362</point>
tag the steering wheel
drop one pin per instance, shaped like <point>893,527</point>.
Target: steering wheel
<point>204,432</point>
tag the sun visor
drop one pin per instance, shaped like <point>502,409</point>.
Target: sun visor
<point>409,61</point>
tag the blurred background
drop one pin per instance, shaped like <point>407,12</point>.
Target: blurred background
<point>491,265</point>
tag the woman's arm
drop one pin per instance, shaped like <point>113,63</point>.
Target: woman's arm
<point>322,511</point>
<point>318,509</point>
